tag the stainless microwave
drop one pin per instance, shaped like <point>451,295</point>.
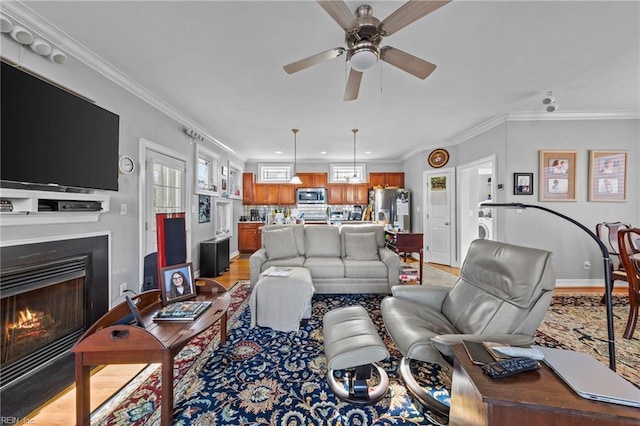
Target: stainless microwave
<point>311,195</point>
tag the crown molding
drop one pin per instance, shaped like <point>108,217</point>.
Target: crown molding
<point>18,11</point>
<point>526,116</point>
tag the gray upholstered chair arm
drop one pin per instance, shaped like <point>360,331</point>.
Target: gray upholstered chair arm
<point>256,260</point>
<point>392,261</point>
<point>426,295</point>
<point>444,341</point>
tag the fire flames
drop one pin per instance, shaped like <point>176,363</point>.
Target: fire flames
<point>28,324</point>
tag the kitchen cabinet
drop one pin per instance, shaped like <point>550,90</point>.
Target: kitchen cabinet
<point>346,193</point>
<point>312,180</point>
<point>386,179</point>
<point>248,184</point>
<point>249,236</point>
<point>265,193</point>
<point>274,194</point>
<point>286,194</point>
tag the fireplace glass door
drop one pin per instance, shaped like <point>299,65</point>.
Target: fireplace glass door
<point>40,322</point>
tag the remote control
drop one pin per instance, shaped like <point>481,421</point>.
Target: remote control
<point>509,367</point>
<point>520,352</point>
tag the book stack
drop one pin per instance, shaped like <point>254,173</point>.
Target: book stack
<point>408,273</point>
<point>182,311</point>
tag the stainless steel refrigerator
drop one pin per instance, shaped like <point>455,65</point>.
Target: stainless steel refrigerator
<point>392,206</point>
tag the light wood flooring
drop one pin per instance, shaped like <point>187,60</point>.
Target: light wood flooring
<point>106,381</point>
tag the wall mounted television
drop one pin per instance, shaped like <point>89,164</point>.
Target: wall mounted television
<point>52,139</point>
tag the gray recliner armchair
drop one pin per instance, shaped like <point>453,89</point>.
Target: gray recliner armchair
<point>502,295</point>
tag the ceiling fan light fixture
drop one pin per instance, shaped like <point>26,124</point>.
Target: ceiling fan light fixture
<point>363,56</point>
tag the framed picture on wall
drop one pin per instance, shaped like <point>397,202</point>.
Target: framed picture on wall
<point>558,175</point>
<point>523,184</point>
<point>607,175</point>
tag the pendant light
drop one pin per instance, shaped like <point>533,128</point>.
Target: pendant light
<point>295,179</point>
<point>354,178</point>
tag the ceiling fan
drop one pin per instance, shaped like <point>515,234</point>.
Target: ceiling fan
<point>363,34</point>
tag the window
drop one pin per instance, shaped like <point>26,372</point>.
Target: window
<point>207,171</point>
<point>275,173</point>
<point>167,189</point>
<point>343,173</point>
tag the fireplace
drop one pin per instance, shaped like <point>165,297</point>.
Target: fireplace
<point>51,292</point>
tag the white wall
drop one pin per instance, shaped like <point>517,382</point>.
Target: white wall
<point>517,145</point>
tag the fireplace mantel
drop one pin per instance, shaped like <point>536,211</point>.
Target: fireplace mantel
<point>26,211</point>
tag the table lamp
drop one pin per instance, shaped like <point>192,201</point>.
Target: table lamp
<point>608,282</point>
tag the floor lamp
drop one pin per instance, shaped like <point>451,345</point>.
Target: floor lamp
<point>608,283</point>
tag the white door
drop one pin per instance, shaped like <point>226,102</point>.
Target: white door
<point>162,189</point>
<point>439,187</point>
<point>164,192</point>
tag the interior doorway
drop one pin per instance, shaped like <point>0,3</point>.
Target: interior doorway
<point>476,184</point>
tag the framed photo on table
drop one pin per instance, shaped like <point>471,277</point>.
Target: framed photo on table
<point>558,175</point>
<point>177,283</point>
<point>523,184</point>
<point>608,176</point>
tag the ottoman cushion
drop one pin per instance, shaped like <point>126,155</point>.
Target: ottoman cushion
<point>351,338</point>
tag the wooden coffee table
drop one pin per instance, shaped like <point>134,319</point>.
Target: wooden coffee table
<point>105,343</point>
<point>531,398</point>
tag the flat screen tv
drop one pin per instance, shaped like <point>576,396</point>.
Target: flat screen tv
<point>53,138</point>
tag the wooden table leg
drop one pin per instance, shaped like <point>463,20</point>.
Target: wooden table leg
<point>223,328</point>
<point>83,409</point>
<point>166,405</point>
<point>421,260</point>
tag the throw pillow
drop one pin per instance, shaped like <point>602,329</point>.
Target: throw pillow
<point>279,243</point>
<point>361,246</point>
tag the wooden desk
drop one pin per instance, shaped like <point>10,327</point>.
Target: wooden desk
<point>410,243</point>
<point>532,398</point>
<point>105,343</point>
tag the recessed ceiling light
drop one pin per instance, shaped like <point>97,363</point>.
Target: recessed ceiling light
<point>278,152</point>
<point>367,152</point>
<point>323,152</point>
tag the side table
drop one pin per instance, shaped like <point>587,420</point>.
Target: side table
<point>410,243</point>
<point>105,343</point>
<point>532,398</point>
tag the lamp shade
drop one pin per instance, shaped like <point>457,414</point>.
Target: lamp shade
<point>295,180</point>
<point>364,56</point>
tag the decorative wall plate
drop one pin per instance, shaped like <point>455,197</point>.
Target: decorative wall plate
<point>438,158</point>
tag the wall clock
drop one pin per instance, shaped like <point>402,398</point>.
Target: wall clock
<point>438,158</point>
<point>126,165</point>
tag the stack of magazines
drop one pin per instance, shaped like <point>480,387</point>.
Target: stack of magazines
<point>182,311</point>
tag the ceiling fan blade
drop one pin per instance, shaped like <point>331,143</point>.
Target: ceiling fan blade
<point>313,60</point>
<point>407,62</point>
<point>409,13</point>
<point>353,85</point>
<point>339,12</point>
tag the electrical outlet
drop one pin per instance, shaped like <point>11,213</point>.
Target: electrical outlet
<point>123,288</point>
<point>587,264</point>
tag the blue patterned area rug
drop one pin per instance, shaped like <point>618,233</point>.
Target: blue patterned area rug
<point>264,377</point>
<point>267,377</point>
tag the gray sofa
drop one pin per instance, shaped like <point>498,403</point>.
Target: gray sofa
<point>345,259</point>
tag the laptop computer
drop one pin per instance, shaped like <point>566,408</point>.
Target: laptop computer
<point>589,378</point>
